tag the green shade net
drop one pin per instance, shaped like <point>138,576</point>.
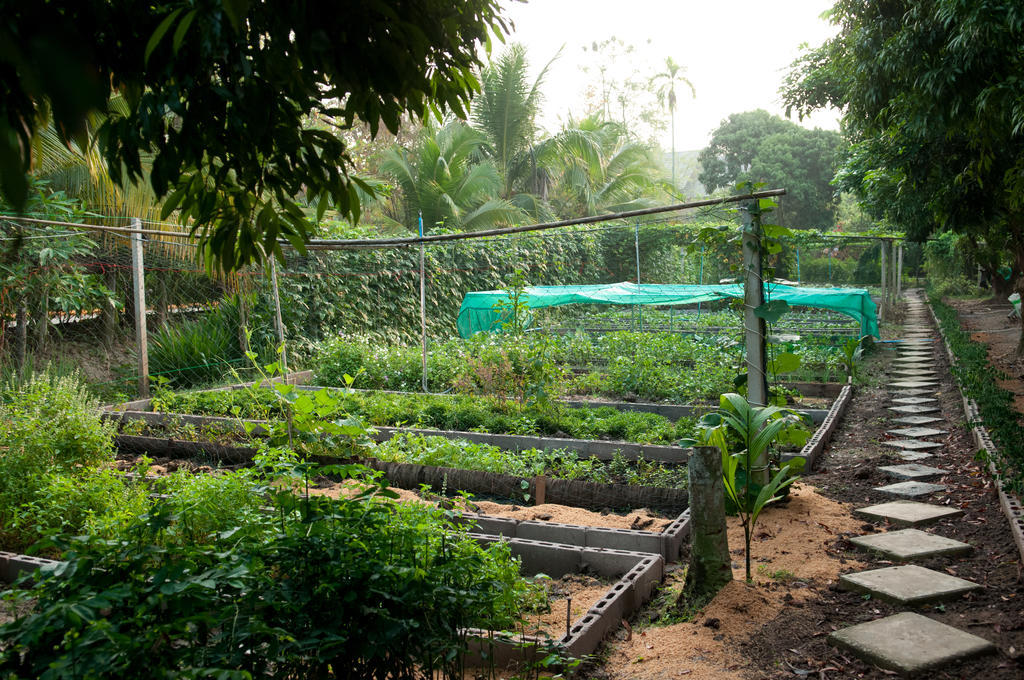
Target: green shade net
<point>478,311</point>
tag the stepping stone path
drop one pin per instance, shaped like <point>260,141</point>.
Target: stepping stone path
<point>917,432</point>
<point>907,584</point>
<point>908,513</point>
<point>911,544</point>
<point>912,472</point>
<point>917,420</point>
<point>909,643</point>
<point>914,409</point>
<point>909,489</point>
<point>912,444</point>
<point>915,400</point>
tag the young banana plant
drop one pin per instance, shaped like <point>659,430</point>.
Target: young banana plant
<point>755,428</point>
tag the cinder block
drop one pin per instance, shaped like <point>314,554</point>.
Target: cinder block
<point>552,532</point>
<point>606,562</point>
<point>625,539</point>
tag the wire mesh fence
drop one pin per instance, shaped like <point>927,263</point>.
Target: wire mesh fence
<point>67,295</point>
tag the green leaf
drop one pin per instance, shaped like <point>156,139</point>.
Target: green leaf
<point>179,34</point>
<point>159,33</point>
<point>772,311</point>
<point>784,362</point>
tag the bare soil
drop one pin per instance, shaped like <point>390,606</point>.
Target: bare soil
<point>579,591</point>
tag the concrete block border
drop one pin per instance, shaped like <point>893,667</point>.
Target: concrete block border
<point>667,543</point>
<point>823,435</point>
<point>638,575</point>
<point>1010,504</point>
<point>13,565</point>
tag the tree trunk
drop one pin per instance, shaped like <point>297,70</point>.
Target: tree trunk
<point>710,563</point>
<point>43,323</point>
<point>21,337</point>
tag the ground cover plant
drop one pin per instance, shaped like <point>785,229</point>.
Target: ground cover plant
<point>559,464</point>
<point>448,412</point>
<point>981,382</point>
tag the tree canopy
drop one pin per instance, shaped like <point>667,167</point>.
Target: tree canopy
<point>932,102</point>
<point>757,146</point>
<point>217,93</point>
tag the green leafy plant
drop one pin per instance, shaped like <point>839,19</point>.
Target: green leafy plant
<point>745,472</point>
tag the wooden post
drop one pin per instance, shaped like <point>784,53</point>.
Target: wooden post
<point>899,271</point>
<point>883,312</point>
<point>753,297</point>
<point>893,295</point>
<point>139,289</point>
<point>710,562</point>
<point>278,322</point>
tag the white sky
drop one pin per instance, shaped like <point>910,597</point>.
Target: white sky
<point>735,52</point>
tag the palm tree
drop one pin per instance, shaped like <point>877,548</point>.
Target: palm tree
<point>439,179</point>
<point>505,111</point>
<point>601,169</point>
<point>666,83</point>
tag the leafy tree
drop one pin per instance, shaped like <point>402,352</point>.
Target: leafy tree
<point>217,92</point>
<point>666,84</point>
<point>931,100</point>
<point>760,147</point>
<point>439,178</point>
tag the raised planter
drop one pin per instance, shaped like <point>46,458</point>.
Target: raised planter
<point>823,435</point>
<point>638,574</point>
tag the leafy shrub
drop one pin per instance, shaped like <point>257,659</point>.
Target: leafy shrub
<point>349,588</point>
<point>51,426</point>
<point>93,501</point>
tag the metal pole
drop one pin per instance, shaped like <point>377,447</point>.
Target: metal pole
<point>892,273</point>
<point>423,305</point>
<point>798,280</point>
<point>278,322</point>
<point>753,325</point>
<point>139,287</point>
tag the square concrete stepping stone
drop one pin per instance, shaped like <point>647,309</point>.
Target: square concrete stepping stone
<point>917,420</point>
<point>913,362</point>
<point>912,472</point>
<point>915,373</point>
<point>909,643</point>
<point>911,456</point>
<point>914,409</point>
<point>914,384</point>
<point>909,489</point>
<point>912,444</point>
<point>911,544</point>
<point>915,400</point>
<point>916,392</point>
<point>908,513</point>
<point>917,432</point>
<point>907,584</point>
